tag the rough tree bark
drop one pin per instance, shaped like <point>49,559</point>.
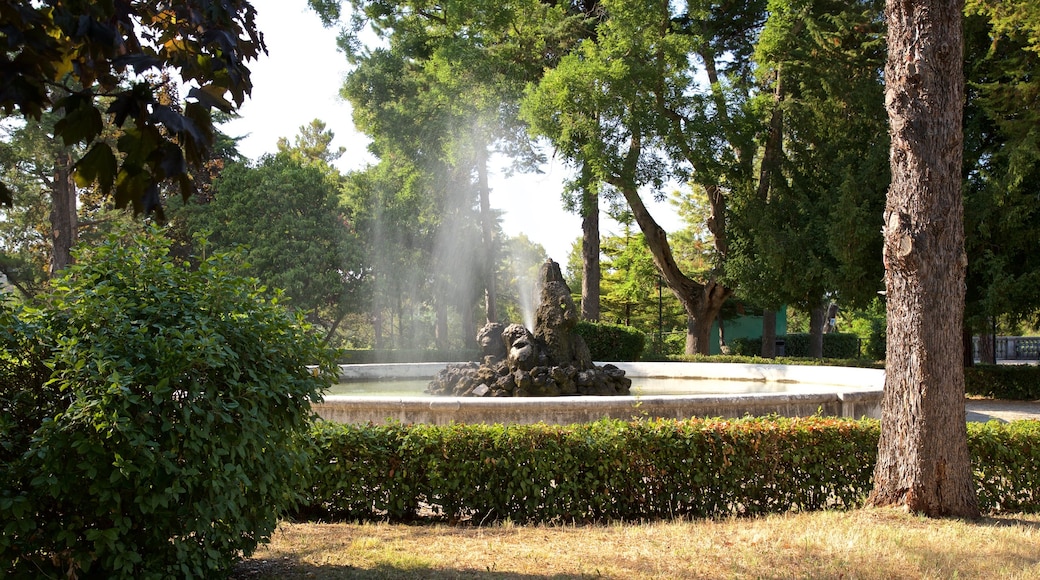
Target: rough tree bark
<point>923,462</point>
<point>768,333</point>
<point>487,231</point>
<point>590,274</point>
<point>817,320</point>
<point>63,213</point>
<point>701,301</point>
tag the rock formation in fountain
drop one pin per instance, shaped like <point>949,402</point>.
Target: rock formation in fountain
<point>551,361</point>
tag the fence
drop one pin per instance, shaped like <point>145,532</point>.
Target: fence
<point>1014,348</point>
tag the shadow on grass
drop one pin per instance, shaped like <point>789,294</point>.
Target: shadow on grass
<point>290,568</point>
<point>1007,521</point>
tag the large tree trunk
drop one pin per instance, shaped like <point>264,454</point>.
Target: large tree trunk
<point>590,274</point>
<point>702,309</point>
<point>817,319</point>
<point>63,214</point>
<point>487,230</point>
<point>923,463</point>
<point>768,333</point>
<point>987,350</point>
<point>440,328</point>
<point>701,302</point>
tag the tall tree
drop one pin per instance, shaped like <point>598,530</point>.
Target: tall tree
<point>923,462</point>
<point>450,102</point>
<point>313,144</point>
<point>808,234</point>
<point>1002,165</point>
<point>631,103</point>
<point>296,237</point>
<point>98,54</point>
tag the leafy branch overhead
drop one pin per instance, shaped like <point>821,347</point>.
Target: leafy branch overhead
<point>86,61</point>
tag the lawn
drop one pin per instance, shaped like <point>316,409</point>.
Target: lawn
<point>868,543</point>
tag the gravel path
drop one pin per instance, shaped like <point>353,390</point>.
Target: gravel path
<point>982,410</point>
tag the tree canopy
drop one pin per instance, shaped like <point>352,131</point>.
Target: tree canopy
<point>295,236</point>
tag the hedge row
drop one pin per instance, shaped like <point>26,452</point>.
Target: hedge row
<point>612,342</point>
<point>835,345</point>
<point>624,471</point>
<point>1016,382</point>
<point>608,342</point>
<point>370,356</point>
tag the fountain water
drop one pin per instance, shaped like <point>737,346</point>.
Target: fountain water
<point>785,390</point>
<point>522,369</point>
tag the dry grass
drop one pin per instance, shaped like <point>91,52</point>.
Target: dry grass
<point>869,544</point>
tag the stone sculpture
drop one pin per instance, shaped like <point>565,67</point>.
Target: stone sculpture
<point>552,360</point>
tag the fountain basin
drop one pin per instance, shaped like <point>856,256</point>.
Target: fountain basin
<point>829,391</point>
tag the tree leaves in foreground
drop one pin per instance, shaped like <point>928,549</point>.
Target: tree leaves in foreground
<point>88,60</point>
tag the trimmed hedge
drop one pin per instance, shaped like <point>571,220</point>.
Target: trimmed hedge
<point>780,360</point>
<point>602,471</point>
<point>1016,382</point>
<point>369,356</point>
<point>835,345</point>
<point>612,342</point>
<point>628,471</point>
<point>608,342</point>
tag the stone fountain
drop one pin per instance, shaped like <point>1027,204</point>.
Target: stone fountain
<point>551,361</point>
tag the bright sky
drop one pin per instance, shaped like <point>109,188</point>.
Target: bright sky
<point>299,81</point>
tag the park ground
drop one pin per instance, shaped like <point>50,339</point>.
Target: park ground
<point>867,543</point>
<point>859,544</point>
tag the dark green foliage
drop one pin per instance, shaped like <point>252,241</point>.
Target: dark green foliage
<point>612,342</point>
<point>602,471</point>
<point>1016,382</point>
<point>624,471</point>
<point>667,346</point>
<point>169,438</point>
<point>877,345</point>
<point>835,345</point>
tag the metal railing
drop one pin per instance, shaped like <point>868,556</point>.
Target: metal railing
<point>1014,348</point>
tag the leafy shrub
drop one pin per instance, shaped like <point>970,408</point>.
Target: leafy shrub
<point>841,345</point>
<point>176,407</point>
<point>745,346</point>
<point>612,342</point>
<point>616,470</point>
<point>1016,382</point>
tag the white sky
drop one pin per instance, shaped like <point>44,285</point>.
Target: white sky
<point>299,81</point>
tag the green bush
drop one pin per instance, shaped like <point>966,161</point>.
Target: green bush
<point>1016,382</point>
<point>176,410</point>
<point>632,471</point>
<point>612,342</point>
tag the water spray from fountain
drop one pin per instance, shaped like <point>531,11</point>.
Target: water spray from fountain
<point>551,360</point>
